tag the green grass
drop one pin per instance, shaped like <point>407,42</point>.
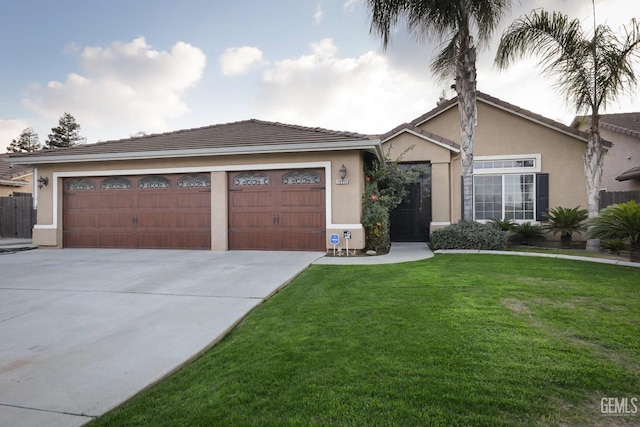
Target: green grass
<point>624,255</point>
<point>478,340</point>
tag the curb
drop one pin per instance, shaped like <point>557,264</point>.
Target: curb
<point>539,255</point>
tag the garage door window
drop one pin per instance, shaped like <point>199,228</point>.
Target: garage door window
<point>116,183</point>
<point>251,179</point>
<point>301,177</point>
<point>190,181</point>
<point>79,184</point>
<point>154,182</point>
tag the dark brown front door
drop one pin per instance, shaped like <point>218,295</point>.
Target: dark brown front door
<point>154,211</point>
<point>277,210</point>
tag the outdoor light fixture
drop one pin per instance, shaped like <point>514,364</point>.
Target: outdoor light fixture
<point>44,181</point>
<point>343,172</point>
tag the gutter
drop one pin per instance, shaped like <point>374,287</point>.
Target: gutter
<point>369,145</point>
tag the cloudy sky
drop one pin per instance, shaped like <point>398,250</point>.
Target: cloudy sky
<point>123,67</point>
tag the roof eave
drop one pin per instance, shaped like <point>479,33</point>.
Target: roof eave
<point>11,183</point>
<point>367,145</point>
<point>426,138</point>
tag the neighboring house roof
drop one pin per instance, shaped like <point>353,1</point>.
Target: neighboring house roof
<point>243,137</point>
<point>513,109</point>
<point>421,133</point>
<point>633,173</point>
<point>10,174</point>
<point>625,123</point>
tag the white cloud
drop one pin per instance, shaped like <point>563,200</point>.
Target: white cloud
<point>10,130</point>
<point>123,86</point>
<point>349,4</point>
<point>365,94</point>
<point>239,60</point>
<point>318,15</point>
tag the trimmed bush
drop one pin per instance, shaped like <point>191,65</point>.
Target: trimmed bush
<point>469,235</point>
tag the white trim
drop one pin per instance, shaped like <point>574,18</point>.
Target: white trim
<point>372,144</point>
<point>426,138</point>
<point>440,223</point>
<point>537,168</point>
<point>346,226</point>
<point>202,169</point>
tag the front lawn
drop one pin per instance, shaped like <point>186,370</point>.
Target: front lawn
<point>454,340</point>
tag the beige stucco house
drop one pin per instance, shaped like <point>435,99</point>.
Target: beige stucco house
<point>270,186</point>
<point>15,180</point>
<point>621,167</point>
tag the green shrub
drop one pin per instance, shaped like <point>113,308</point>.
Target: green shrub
<point>503,224</point>
<point>527,233</point>
<point>469,235</point>
<point>566,221</point>
<point>620,221</point>
<point>615,246</point>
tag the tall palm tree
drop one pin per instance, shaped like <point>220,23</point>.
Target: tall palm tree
<point>592,70</point>
<point>454,22</point>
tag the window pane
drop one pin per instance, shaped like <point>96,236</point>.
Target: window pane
<point>487,197</point>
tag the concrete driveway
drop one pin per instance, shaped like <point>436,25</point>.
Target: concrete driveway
<point>83,330</point>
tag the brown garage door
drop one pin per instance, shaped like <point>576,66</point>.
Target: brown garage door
<point>277,210</point>
<point>154,211</point>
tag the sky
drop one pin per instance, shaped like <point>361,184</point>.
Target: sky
<point>126,67</point>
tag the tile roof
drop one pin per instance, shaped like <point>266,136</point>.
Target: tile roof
<point>10,172</point>
<point>625,123</point>
<point>633,173</point>
<point>410,127</point>
<point>248,133</point>
<point>488,99</point>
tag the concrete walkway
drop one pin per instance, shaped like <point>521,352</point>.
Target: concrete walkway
<point>81,331</point>
<point>400,252</point>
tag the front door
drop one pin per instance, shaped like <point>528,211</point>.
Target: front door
<point>410,220</point>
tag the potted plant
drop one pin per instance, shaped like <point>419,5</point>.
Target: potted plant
<point>566,221</point>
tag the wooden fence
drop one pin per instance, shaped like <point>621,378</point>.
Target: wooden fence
<point>611,197</point>
<point>17,217</point>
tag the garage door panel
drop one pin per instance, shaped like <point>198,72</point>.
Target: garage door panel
<point>193,220</point>
<point>121,238</point>
<point>114,219</point>
<point>194,200</point>
<point>251,241</point>
<point>302,219</point>
<point>157,200</point>
<point>80,201</point>
<point>251,219</point>
<point>292,241</point>
<point>156,220</point>
<point>86,220</point>
<point>252,199</point>
<point>201,240</point>
<point>302,198</point>
<point>109,199</point>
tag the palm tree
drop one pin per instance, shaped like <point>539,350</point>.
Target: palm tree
<point>453,21</point>
<point>591,71</point>
<point>620,221</point>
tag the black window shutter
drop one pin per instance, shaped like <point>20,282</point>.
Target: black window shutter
<point>542,195</point>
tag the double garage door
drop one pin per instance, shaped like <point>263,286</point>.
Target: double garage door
<point>268,210</point>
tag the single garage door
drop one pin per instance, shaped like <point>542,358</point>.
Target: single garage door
<point>277,210</point>
<point>147,211</point>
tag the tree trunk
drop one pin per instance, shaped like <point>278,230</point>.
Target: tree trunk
<point>466,91</point>
<point>565,241</point>
<point>593,159</point>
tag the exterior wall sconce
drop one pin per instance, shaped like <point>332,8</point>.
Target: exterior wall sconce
<point>343,176</point>
<point>43,181</point>
<point>343,172</point>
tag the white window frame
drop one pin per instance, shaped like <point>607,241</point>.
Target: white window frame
<point>537,164</point>
<point>537,168</point>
